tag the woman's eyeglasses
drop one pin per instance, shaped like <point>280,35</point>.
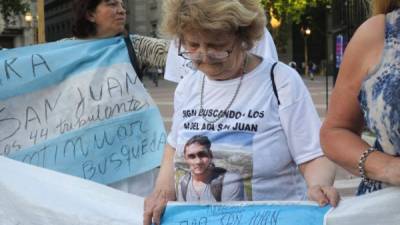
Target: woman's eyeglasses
<point>211,54</point>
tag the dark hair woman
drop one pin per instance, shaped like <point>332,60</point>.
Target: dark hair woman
<point>95,19</point>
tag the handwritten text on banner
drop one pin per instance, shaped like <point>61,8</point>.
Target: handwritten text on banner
<point>245,214</point>
<point>84,114</point>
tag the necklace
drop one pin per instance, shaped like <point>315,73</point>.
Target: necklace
<point>220,115</point>
<point>198,192</point>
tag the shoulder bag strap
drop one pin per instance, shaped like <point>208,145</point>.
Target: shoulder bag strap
<point>184,184</point>
<point>132,56</point>
<point>273,82</point>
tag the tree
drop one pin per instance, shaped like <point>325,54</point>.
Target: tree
<point>12,7</point>
<point>293,9</point>
<point>289,11</point>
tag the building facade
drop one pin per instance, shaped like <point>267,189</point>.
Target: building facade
<point>344,17</point>
<point>17,32</point>
<point>58,19</point>
<point>143,16</point>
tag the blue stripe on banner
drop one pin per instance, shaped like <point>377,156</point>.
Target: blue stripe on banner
<point>251,214</point>
<point>105,152</point>
<point>27,69</point>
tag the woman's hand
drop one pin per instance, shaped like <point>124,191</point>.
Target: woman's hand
<point>323,195</point>
<point>154,206</point>
<point>164,191</point>
<point>319,174</point>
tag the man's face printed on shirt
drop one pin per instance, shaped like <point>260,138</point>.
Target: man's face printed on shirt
<point>198,158</point>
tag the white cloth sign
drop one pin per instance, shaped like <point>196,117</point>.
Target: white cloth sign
<point>35,196</point>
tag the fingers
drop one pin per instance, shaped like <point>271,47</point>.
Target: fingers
<point>315,193</point>
<point>148,212</point>
<point>153,209</point>
<point>158,211</point>
<point>147,217</point>
<point>324,195</point>
<point>332,195</point>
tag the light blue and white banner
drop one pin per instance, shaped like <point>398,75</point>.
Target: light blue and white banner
<point>35,196</point>
<point>78,107</point>
<point>255,213</point>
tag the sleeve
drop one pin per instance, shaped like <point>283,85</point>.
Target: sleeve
<point>173,134</point>
<point>232,188</point>
<point>150,52</point>
<point>266,47</point>
<point>176,67</point>
<point>299,118</point>
<point>67,39</point>
<point>173,63</point>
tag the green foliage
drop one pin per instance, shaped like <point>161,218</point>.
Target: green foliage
<point>293,9</point>
<point>287,12</point>
<point>12,7</point>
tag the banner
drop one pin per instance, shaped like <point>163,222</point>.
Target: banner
<point>339,50</point>
<point>35,196</point>
<point>78,107</point>
<point>256,213</point>
<point>31,195</point>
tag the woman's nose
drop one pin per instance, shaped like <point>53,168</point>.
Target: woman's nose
<point>203,55</point>
<point>121,8</point>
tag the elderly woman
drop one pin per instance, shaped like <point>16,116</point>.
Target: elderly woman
<point>94,19</point>
<point>367,94</point>
<point>264,126</point>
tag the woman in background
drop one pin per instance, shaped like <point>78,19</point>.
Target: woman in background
<point>94,19</point>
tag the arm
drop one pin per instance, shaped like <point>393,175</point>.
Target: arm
<point>319,174</point>
<point>301,125</point>
<point>340,134</point>
<point>150,52</point>
<point>164,190</point>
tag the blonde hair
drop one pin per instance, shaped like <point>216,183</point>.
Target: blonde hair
<point>384,6</point>
<point>243,17</point>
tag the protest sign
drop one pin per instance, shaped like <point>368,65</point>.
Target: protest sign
<point>78,107</point>
<point>257,213</point>
<point>36,196</point>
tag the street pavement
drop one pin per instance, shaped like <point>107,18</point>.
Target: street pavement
<point>320,88</point>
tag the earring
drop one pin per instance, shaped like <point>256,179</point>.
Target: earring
<point>244,45</point>
<point>90,17</point>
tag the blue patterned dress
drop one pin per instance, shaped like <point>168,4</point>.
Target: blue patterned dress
<point>380,96</point>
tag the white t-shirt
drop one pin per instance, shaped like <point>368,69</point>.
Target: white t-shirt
<point>231,190</point>
<point>176,67</point>
<point>256,138</point>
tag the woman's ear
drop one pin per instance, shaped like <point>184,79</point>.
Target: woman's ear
<point>90,17</point>
<point>245,45</point>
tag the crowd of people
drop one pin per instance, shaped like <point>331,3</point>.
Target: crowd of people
<point>225,63</point>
